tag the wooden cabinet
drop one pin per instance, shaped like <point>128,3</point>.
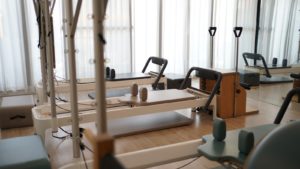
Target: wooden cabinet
<point>296,84</point>
<point>230,102</point>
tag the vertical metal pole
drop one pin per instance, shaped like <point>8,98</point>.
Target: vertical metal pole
<point>212,37</point>
<point>131,36</point>
<point>42,43</point>
<point>212,52</point>
<point>298,47</point>
<point>50,65</point>
<point>236,77</point>
<point>43,60</point>
<point>64,29</point>
<point>73,81</point>
<point>188,24</point>
<point>257,27</point>
<point>99,7</point>
<point>26,46</point>
<point>160,29</point>
<point>236,63</point>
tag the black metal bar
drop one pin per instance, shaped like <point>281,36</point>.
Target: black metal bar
<point>257,26</point>
<point>285,104</point>
<point>206,74</point>
<point>158,61</point>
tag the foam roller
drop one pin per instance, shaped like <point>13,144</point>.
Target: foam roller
<point>134,90</point>
<point>143,94</point>
<point>107,72</point>
<point>112,73</point>
<point>246,141</point>
<point>219,129</point>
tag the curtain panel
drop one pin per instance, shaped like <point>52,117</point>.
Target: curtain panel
<point>137,29</point>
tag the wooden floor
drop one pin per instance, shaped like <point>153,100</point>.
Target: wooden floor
<point>267,99</point>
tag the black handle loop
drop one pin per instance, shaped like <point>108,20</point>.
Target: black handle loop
<point>237,31</point>
<point>212,30</point>
<point>17,117</point>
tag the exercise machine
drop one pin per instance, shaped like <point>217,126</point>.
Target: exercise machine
<point>264,69</point>
<point>158,101</point>
<point>232,148</point>
<point>138,78</point>
<point>120,84</point>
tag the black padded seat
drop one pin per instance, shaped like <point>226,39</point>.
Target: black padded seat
<point>129,76</point>
<point>275,79</point>
<point>249,77</point>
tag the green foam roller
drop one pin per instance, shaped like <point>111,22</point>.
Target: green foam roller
<point>246,141</point>
<point>219,129</point>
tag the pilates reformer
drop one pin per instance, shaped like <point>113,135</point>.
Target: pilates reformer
<point>140,159</point>
<point>232,148</point>
<point>127,106</point>
<point>117,84</point>
<point>265,70</point>
<point>151,78</point>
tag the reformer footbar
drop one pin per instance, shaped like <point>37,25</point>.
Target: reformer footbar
<point>158,61</point>
<point>205,74</point>
<point>267,78</point>
<point>228,148</point>
<point>119,84</point>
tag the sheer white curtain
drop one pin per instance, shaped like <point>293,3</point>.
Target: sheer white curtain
<point>145,20</point>
<point>84,45</point>
<point>117,34</point>
<point>246,17</point>
<point>33,41</point>
<point>225,20</point>
<point>13,71</point>
<point>174,35</point>
<point>229,14</point>
<point>279,27</point>
<point>264,38</point>
<point>199,39</point>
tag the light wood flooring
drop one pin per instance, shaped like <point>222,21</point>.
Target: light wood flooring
<point>267,99</point>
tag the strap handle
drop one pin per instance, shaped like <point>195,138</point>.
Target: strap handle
<point>237,31</point>
<point>212,30</point>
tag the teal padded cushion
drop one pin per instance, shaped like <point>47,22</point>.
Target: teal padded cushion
<point>279,149</point>
<point>246,141</point>
<point>23,153</point>
<point>228,149</point>
<point>219,129</point>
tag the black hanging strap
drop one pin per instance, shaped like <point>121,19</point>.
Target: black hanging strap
<point>237,31</point>
<point>212,31</point>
